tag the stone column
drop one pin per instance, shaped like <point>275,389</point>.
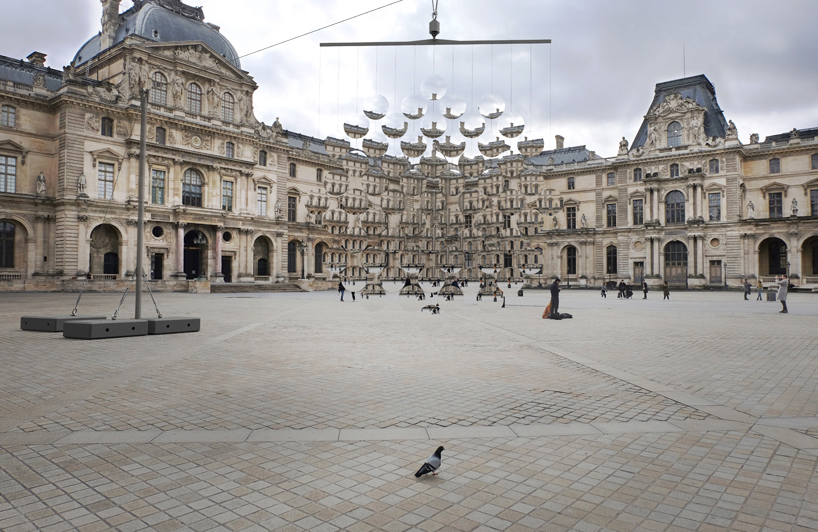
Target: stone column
<point>700,254</point>
<point>705,203</point>
<point>180,251</point>
<point>656,204</point>
<point>39,239</point>
<point>658,257</point>
<point>83,245</point>
<point>691,255</point>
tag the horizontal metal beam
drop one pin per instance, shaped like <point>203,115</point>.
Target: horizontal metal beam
<point>434,42</point>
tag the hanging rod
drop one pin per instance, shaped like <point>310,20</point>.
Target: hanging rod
<point>433,42</point>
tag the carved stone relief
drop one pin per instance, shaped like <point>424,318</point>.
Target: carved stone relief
<point>92,122</point>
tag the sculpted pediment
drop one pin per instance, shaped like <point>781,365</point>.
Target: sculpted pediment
<point>674,104</point>
<point>200,55</point>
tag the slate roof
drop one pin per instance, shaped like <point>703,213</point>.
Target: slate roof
<point>805,134</point>
<point>572,154</point>
<point>23,72</point>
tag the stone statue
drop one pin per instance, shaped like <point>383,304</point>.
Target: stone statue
<point>41,184</point>
<point>623,146</point>
<point>81,184</point>
<point>556,223</point>
<point>583,221</point>
<point>277,125</point>
<point>178,88</point>
<point>732,130</point>
<point>213,99</point>
<point>794,206</point>
<point>134,78</point>
<point>278,208</point>
<point>794,134</point>
<point>754,138</point>
<point>751,210</point>
<point>310,218</point>
<point>653,136</point>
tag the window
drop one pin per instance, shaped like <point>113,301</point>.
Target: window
<point>815,161</point>
<point>192,188</point>
<point>571,217</point>
<point>230,149</point>
<point>228,104</point>
<point>467,217</point>
<point>715,206</point>
<point>775,166</point>
<point>6,245</point>
<point>813,203</point>
<point>674,134</point>
<point>107,127</point>
<point>611,214</point>
<point>227,195</point>
<point>161,136</point>
<point>505,184</point>
<point>637,174</point>
<point>159,89</point>
<point>675,207</point>
<point>292,202</point>
<point>611,179</point>
<point>8,174</point>
<point>8,116</point>
<point>571,183</point>
<point>292,169</point>
<point>776,205</point>
<point>571,260</point>
<point>674,170</point>
<point>319,174</point>
<point>261,201</point>
<point>506,221</point>
<point>610,254</point>
<point>714,166</point>
<point>194,99</point>
<point>158,187</point>
<point>262,158</point>
<point>638,212</point>
<point>105,180</point>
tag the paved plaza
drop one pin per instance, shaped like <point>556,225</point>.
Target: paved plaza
<point>298,412</point>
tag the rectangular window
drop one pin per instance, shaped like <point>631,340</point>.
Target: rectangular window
<point>229,149</point>
<point>715,206</point>
<point>638,212</point>
<point>506,221</point>
<point>813,203</point>
<point>611,179</point>
<point>292,169</point>
<point>611,214</point>
<point>261,201</point>
<point>107,127</point>
<point>776,205</point>
<point>105,181</point>
<point>637,174</point>
<point>161,136</point>
<point>291,206</point>
<point>571,217</point>
<point>319,174</point>
<point>467,217</point>
<point>8,174</point>
<point>571,183</point>
<point>8,116</point>
<point>674,170</point>
<point>814,160</point>
<point>714,166</point>
<point>158,187</point>
<point>505,184</point>
<point>775,166</point>
<point>262,158</point>
<point>227,196</point>
<point>611,256</point>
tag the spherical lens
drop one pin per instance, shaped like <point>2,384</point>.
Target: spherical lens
<point>394,125</point>
<point>376,106</point>
<point>511,125</point>
<point>432,126</point>
<point>413,106</point>
<point>453,106</point>
<point>472,125</point>
<point>433,87</point>
<point>356,125</point>
<point>491,106</point>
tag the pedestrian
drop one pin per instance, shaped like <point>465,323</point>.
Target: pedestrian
<point>665,291</point>
<point>353,296</point>
<point>604,291</point>
<point>747,289</point>
<point>645,288</point>
<point>622,288</point>
<point>760,288</point>
<point>341,289</point>
<point>555,297</point>
<point>629,291</point>
<point>783,287</point>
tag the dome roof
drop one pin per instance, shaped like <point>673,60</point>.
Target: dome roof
<point>163,21</point>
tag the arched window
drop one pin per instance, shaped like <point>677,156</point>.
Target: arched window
<point>159,89</point>
<point>675,207</point>
<point>674,134</point>
<point>637,174</point>
<point>610,254</point>
<point>8,116</point>
<point>194,99</point>
<point>291,256</point>
<point>228,104</point>
<point>192,188</point>
<point>6,245</point>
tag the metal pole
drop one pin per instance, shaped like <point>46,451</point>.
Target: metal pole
<point>140,219</point>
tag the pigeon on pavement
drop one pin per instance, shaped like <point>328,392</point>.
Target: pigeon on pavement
<point>432,463</point>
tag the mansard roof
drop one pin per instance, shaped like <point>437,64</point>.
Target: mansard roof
<point>20,71</point>
<point>572,154</point>
<point>804,134</point>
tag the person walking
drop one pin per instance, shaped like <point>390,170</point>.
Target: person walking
<point>747,289</point>
<point>760,289</point>
<point>783,287</point>
<point>645,288</point>
<point>665,291</point>
<point>353,296</point>
<point>604,291</point>
<point>341,289</point>
<point>622,288</point>
<point>555,297</point>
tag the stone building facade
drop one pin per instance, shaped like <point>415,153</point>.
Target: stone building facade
<point>231,199</point>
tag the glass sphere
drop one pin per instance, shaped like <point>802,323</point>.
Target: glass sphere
<point>356,125</point>
<point>413,106</point>
<point>376,107</point>
<point>454,106</point>
<point>472,125</point>
<point>394,125</point>
<point>491,106</point>
<point>433,87</point>
<point>511,125</point>
<point>433,126</point>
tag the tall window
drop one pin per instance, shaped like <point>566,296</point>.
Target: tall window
<point>8,116</point>
<point>105,180</point>
<point>674,170</point>
<point>6,245</point>
<point>161,136</point>
<point>8,174</point>
<point>611,214</point>
<point>675,207</point>
<point>571,183</point>
<point>261,201</point>
<point>638,212</point>
<point>571,217</point>
<point>505,184</point>
<point>815,161</point>
<point>107,127</point>
<point>610,255</point>
<point>262,158</point>
<point>319,174</point>
<point>637,174</point>
<point>228,104</point>
<point>776,205</point>
<point>292,169</point>
<point>611,179</point>
<point>715,206</point>
<point>192,188</point>
<point>714,166</point>
<point>467,217</point>
<point>813,202</point>
<point>674,134</point>
<point>227,195</point>
<point>775,166</point>
<point>159,89</point>
<point>292,202</point>
<point>158,187</point>
<point>194,99</point>
<point>230,149</point>
<point>571,260</point>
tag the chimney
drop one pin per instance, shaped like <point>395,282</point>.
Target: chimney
<point>36,58</point>
<point>560,141</point>
<point>110,21</point>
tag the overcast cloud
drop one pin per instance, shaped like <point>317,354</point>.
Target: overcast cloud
<point>604,62</point>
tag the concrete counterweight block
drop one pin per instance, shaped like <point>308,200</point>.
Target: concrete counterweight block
<point>51,323</point>
<point>173,325</point>
<point>98,329</point>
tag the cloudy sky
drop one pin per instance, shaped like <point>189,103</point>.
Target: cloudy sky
<point>592,85</point>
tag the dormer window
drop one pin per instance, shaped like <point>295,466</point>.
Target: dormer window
<point>674,134</point>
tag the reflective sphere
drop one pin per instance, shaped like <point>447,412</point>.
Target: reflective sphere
<point>394,125</point>
<point>472,125</point>
<point>453,106</point>
<point>432,126</point>
<point>511,125</point>
<point>376,107</point>
<point>356,125</point>
<point>433,87</point>
<point>413,106</point>
<point>491,106</point>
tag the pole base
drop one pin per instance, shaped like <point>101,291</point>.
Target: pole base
<point>98,329</point>
<point>173,325</point>
<point>51,323</point>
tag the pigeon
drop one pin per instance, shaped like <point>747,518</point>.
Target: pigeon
<point>431,465</point>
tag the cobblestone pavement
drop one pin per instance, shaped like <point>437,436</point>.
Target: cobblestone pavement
<point>298,412</point>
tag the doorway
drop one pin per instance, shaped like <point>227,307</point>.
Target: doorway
<point>195,252</point>
<point>638,272</point>
<point>227,268</point>
<point>676,263</point>
<point>157,266</point>
<point>715,272</point>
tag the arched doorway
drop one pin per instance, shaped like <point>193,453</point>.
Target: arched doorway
<point>195,254</point>
<point>809,254</point>
<point>104,259</point>
<point>320,253</point>
<point>261,257</point>
<point>772,257</point>
<point>293,260</point>
<point>676,263</point>
<point>570,264</point>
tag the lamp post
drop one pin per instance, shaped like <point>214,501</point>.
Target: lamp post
<point>303,248</point>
